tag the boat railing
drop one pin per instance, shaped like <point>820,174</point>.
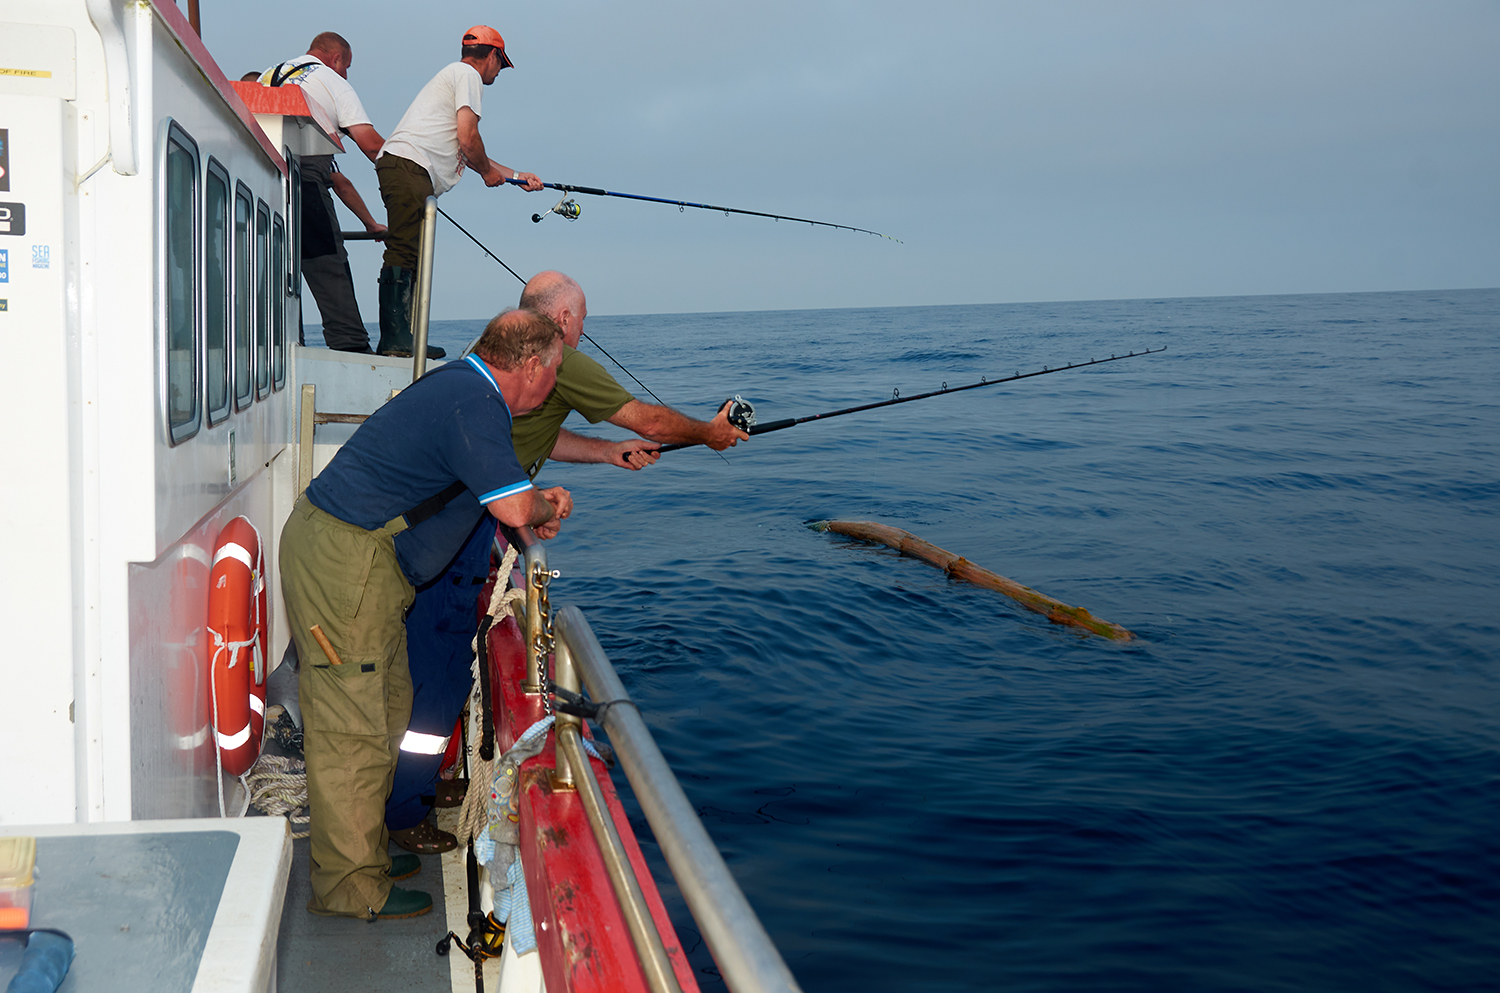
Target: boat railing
<point>747,959</point>
<point>421,307</point>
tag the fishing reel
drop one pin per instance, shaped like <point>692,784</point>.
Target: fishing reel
<point>741,414</point>
<point>566,208</point>
<point>486,939</point>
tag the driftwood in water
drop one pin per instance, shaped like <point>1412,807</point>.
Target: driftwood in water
<point>961,568</point>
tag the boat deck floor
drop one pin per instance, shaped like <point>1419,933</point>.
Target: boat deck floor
<point>341,955</point>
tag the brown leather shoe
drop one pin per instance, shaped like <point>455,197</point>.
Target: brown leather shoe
<point>450,792</point>
<point>425,839</point>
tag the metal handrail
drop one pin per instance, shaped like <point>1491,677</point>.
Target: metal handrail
<point>422,305</point>
<point>575,772</point>
<point>747,958</point>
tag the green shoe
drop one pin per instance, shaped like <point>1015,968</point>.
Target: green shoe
<point>404,866</point>
<point>404,903</point>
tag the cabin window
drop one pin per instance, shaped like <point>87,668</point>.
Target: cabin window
<point>279,293</point>
<point>180,277</point>
<point>262,299</point>
<point>294,222</point>
<point>216,291</point>
<point>243,387</point>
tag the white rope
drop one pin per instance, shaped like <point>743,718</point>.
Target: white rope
<point>278,785</point>
<point>474,816</point>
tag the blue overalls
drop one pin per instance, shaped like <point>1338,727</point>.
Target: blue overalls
<point>440,633</point>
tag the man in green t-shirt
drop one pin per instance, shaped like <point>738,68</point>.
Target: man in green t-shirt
<point>584,385</point>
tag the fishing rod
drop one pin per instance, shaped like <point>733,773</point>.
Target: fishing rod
<point>568,209</point>
<point>742,414</point>
<point>508,269</point>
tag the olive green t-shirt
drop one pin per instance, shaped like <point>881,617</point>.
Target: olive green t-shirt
<point>582,385</point>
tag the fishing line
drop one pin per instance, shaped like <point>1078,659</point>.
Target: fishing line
<point>568,209</point>
<point>742,414</point>
<point>523,283</point>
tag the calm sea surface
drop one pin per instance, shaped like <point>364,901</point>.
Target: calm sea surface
<point>1291,781</point>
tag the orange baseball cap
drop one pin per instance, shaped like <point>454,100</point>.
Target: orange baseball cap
<point>482,34</point>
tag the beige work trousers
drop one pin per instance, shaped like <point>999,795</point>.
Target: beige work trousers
<point>347,580</point>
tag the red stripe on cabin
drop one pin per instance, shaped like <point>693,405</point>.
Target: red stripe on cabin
<point>178,25</point>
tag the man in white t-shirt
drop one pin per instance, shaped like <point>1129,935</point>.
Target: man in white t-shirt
<point>423,157</point>
<point>323,75</point>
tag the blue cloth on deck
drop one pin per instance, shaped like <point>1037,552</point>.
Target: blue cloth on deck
<point>45,964</point>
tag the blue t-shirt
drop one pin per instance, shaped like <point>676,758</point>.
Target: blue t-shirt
<point>451,425</point>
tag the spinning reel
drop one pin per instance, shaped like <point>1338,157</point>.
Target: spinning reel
<point>566,208</point>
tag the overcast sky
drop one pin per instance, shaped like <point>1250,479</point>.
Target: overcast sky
<point>1056,150</point>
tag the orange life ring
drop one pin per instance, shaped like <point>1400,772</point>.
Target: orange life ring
<point>237,627</point>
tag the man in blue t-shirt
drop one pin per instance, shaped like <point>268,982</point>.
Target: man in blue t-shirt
<point>390,511</point>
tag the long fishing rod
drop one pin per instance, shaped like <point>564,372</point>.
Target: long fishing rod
<point>569,209</point>
<point>742,415</point>
<point>508,269</point>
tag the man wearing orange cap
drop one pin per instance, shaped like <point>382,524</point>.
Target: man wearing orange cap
<point>424,157</point>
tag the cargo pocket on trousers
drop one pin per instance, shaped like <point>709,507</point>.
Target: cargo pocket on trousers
<point>346,699</point>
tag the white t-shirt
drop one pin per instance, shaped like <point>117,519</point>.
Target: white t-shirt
<point>332,100</point>
<point>428,133</point>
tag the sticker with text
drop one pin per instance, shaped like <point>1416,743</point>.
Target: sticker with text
<point>41,256</point>
<point>12,218</point>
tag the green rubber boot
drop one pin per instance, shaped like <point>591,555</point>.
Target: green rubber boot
<point>396,285</point>
<point>404,903</point>
<point>404,866</point>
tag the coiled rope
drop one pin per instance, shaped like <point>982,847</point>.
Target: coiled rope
<point>278,785</point>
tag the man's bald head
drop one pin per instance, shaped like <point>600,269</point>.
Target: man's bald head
<point>559,297</point>
<point>332,49</point>
<point>329,42</point>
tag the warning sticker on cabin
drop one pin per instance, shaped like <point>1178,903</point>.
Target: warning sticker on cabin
<point>12,219</point>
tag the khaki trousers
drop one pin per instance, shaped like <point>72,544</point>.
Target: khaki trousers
<point>354,714</point>
<point>404,188</point>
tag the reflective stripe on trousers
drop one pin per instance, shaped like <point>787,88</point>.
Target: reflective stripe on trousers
<point>424,744</point>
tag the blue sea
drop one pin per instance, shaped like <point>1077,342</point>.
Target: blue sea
<point>1289,781</point>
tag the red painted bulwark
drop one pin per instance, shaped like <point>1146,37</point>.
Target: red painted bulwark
<point>287,100</point>
<point>178,24</point>
<point>581,936</point>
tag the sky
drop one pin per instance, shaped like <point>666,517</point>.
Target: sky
<point>1021,151</point>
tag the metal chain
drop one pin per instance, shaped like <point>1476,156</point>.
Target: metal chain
<point>545,642</point>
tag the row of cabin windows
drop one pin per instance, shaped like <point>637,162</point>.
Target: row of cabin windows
<point>225,294</point>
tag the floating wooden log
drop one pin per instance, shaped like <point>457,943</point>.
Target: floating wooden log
<point>961,568</point>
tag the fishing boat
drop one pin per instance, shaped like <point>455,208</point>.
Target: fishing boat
<point>163,424</point>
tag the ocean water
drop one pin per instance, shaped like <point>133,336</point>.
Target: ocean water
<point>1289,781</point>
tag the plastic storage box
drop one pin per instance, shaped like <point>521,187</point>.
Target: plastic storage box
<point>17,861</point>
